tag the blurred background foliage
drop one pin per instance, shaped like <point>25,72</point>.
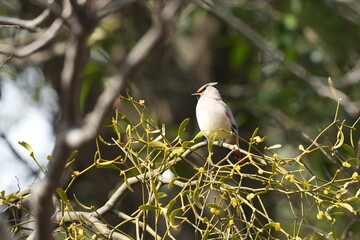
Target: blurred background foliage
<point>322,36</point>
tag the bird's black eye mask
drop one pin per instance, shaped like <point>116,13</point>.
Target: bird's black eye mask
<point>202,89</point>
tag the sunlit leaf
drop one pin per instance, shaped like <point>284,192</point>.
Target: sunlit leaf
<point>196,198</point>
<point>157,144</point>
<point>173,215</point>
<point>128,184</point>
<point>339,140</point>
<point>148,207</point>
<point>346,206</point>
<point>276,146</point>
<point>161,194</point>
<point>200,134</point>
<point>348,148</point>
<point>352,199</point>
<point>28,147</point>
<point>211,141</point>
<point>182,126</point>
<point>62,194</point>
<point>10,197</point>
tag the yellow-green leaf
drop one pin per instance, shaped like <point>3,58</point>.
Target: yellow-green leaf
<point>211,141</point>
<point>148,207</point>
<point>182,126</point>
<point>157,144</point>
<point>339,140</point>
<point>28,147</point>
<point>346,206</point>
<point>200,134</point>
<point>62,194</point>
<point>81,204</point>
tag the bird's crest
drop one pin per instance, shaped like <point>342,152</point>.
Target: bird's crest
<point>203,88</point>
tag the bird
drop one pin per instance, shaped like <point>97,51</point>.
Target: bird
<point>213,116</point>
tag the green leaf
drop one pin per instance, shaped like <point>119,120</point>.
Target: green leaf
<point>10,197</point>
<point>206,234</point>
<point>146,207</point>
<point>274,225</point>
<point>2,193</point>
<point>212,205</point>
<point>352,199</point>
<point>172,182</point>
<point>349,149</point>
<point>352,160</point>
<point>173,215</point>
<point>337,213</point>
<point>211,141</point>
<point>81,204</point>
<point>157,144</point>
<point>340,139</point>
<point>200,134</point>
<point>161,195</point>
<point>196,198</point>
<point>346,206</point>
<point>124,118</point>
<point>170,205</point>
<point>108,166</point>
<point>62,195</point>
<point>128,184</point>
<point>28,147</point>
<point>182,126</point>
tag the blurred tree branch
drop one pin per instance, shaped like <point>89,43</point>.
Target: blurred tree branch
<point>30,25</point>
<point>319,84</point>
<point>74,131</point>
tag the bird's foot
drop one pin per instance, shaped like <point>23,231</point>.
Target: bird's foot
<point>221,143</point>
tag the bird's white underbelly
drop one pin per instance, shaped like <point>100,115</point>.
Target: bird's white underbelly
<point>212,121</point>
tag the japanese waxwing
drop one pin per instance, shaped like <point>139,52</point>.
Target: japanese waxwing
<point>213,115</point>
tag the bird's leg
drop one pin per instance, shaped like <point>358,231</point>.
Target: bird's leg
<point>221,142</point>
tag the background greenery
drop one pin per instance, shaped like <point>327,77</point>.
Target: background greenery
<point>272,60</point>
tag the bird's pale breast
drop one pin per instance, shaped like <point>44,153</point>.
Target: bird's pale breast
<point>212,117</point>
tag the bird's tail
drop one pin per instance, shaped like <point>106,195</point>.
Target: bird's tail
<point>239,157</point>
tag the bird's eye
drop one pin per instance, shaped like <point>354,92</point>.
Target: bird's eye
<point>202,89</point>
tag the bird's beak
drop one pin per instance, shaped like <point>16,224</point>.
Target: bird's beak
<point>196,94</point>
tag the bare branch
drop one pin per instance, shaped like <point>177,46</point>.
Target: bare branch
<point>31,25</point>
<point>112,6</point>
<point>40,42</point>
<point>51,5</point>
<point>146,44</point>
<point>69,139</point>
<point>5,60</point>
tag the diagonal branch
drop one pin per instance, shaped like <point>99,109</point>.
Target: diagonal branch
<point>40,42</point>
<point>31,25</point>
<point>150,40</point>
<point>318,83</point>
